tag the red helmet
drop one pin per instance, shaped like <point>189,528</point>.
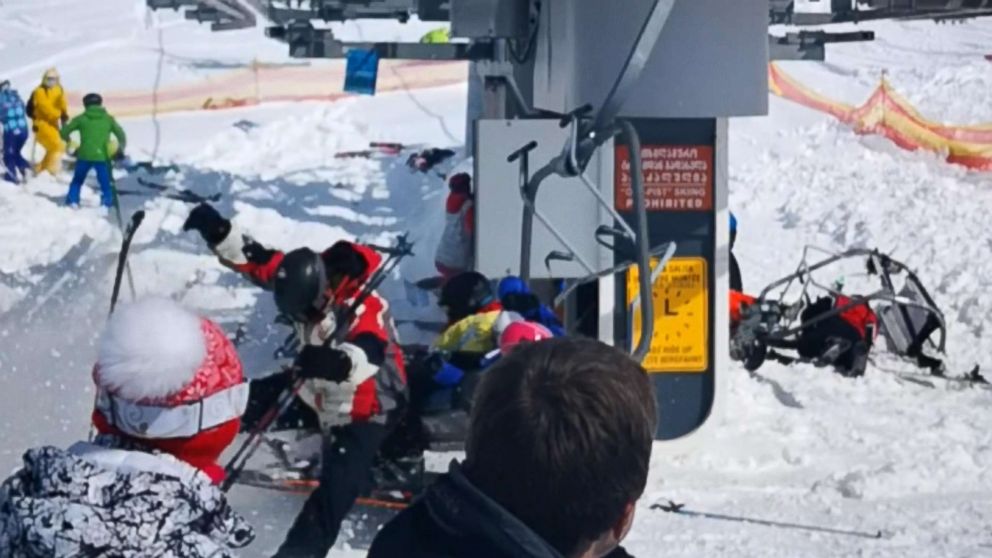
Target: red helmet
<point>522,332</point>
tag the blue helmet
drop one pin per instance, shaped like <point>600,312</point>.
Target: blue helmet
<point>512,284</point>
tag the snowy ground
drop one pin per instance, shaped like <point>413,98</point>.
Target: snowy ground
<point>870,454</point>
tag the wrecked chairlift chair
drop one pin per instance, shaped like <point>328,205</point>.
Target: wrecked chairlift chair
<point>909,319</point>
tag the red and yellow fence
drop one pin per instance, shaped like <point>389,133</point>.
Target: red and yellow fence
<point>888,114</point>
<point>262,83</point>
<point>885,113</point>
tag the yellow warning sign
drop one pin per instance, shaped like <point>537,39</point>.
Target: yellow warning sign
<point>681,316</point>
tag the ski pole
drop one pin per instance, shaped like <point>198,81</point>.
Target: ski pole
<point>672,507</point>
<point>181,194</point>
<point>120,222</point>
<point>240,460</point>
<point>132,227</point>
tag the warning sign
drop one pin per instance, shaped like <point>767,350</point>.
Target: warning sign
<point>676,177</point>
<point>681,317</point>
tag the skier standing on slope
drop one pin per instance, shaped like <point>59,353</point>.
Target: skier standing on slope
<point>15,133</point>
<point>95,126</point>
<point>454,251</point>
<point>356,389</point>
<point>170,393</point>
<point>49,111</point>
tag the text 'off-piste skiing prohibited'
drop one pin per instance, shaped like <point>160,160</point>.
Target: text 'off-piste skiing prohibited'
<point>676,178</point>
<point>681,316</point>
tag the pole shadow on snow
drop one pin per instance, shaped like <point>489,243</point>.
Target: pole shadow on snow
<point>48,343</point>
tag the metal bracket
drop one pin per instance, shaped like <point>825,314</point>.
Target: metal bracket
<point>810,45</point>
<point>171,4</point>
<point>502,71</point>
<point>306,41</point>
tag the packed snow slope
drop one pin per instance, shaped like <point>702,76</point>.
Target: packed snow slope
<point>869,454</point>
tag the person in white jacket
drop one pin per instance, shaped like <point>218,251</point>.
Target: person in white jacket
<point>455,250</point>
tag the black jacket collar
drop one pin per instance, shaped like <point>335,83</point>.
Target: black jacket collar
<point>460,510</point>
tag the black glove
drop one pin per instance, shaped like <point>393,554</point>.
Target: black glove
<point>119,156</point>
<point>205,220</point>
<point>325,363</point>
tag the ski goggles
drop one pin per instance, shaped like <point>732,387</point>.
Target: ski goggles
<point>182,421</point>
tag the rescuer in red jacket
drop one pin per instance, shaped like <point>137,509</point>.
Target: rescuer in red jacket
<point>355,388</point>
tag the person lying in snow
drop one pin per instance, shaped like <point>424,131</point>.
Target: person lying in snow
<point>428,158</point>
<point>354,391</point>
<point>170,394</point>
<point>842,340</point>
<point>443,377</point>
<point>516,296</point>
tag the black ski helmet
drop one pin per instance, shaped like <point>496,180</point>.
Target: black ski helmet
<point>343,261</point>
<point>465,294</point>
<point>300,284</point>
<point>92,100</point>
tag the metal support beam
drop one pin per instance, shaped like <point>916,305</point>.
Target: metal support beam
<point>305,41</point>
<point>601,125</point>
<point>204,15</point>
<point>636,61</point>
<point>810,45</point>
<point>171,4</point>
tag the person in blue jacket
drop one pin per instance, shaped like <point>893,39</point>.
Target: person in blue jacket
<point>736,283</point>
<point>15,133</point>
<point>515,295</point>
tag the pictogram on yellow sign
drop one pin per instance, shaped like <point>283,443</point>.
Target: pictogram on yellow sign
<point>681,317</point>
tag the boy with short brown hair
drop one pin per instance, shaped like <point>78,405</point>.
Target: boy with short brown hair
<point>556,458</point>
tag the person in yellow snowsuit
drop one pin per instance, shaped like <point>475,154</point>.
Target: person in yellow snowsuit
<point>49,112</point>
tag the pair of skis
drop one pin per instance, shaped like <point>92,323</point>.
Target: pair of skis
<point>168,191</point>
<point>375,148</point>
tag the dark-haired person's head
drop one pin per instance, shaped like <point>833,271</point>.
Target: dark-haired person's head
<point>561,437</point>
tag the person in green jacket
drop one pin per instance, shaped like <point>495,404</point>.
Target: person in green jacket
<point>95,126</point>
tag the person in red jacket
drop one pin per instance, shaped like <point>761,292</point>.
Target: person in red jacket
<point>454,251</point>
<point>355,389</point>
<point>843,340</point>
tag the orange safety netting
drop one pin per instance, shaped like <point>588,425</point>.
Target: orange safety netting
<point>888,114</point>
<point>262,83</point>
